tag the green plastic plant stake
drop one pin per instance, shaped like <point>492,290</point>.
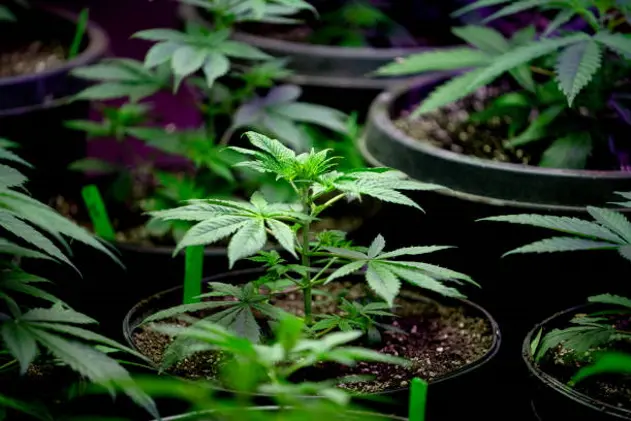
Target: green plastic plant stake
<point>98,213</point>
<point>418,400</point>
<point>193,265</point>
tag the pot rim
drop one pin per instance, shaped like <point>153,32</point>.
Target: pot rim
<point>274,408</point>
<point>380,114</point>
<point>191,12</point>
<point>128,330</point>
<point>556,385</point>
<point>98,43</point>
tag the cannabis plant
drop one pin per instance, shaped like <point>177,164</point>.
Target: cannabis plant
<point>35,326</point>
<point>231,98</point>
<point>598,330</point>
<point>268,368</point>
<point>321,258</point>
<point>570,88</point>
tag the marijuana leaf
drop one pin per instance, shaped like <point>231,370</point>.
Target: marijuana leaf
<point>600,235</point>
<point>576,66</point>
<point>384,275</point>
<point>119,78</point>
<point>279,113</point>
<point>197,48</point>
<point>245,222</point>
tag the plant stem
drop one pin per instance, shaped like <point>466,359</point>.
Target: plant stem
<point>306,262</point>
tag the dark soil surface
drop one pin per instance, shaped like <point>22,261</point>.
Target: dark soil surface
<point>35,57</point>
<point>562,364</point>
<point>436,339</point>
<point>449,128</point>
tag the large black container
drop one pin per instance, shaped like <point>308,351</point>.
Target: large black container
<point>329,75</point>
<point>519,290</point>
<point>466,383</point>
<point>552,398</point>
<point>33,107</point>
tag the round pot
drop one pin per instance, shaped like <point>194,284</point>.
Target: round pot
<point>550,397</point>
<point>33,107</point>
<point>462,382</point>
<point>475,179</point>
<point>346,415</point>
<point>324,72</point>
<point>477,189</point>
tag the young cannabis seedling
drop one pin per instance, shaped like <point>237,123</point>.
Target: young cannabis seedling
<point>610,230</point>
<point>268,368</point>
<point>313,177</point>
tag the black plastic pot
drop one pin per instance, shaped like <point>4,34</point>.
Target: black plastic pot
<point>519,290</point>
<point>466,382</point>
<point>552,398</point>
<point>476,179</point>
<point>329,75</point>
<point>355,415</point>
<point>34,107</point>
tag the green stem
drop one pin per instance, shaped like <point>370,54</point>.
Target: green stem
<point>306,262</point>
<point>315,279</point>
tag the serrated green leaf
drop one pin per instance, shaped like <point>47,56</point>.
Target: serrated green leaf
<point>451,91</point>
<point>571,151</point>
<point>346,270</point>
<point>29,234</point>
<point>612,220</point>
<point>215,66</point>
<point>617,43</point>
<point>381,280</point>
<point>523,55</point>
<point>563,17</point>
<point>10,177</point>
<point>211,231</point>
<point>557,244</point>
<point>376,246</point>
<point>56,314</point>
<point>576,66</point>
<point>10,156</point>
<point>186,308</point>
<point>248,240</point>
<point>611,299</point>
<point>187,60</point>
<point>245,325</point>
<point>240,50</point>
<point>160,53</point>
<point>283,234</point>
<point>422,280</point>
<point>576,338</point>
<point>564,224</point>
<point>437,60</point>
<point>20,343</point>
<point>320,115</point>
<point>414,251</point>
<point>486,39</point>
<point>435,271</point>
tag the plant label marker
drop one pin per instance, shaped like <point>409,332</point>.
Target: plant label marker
<point>418,400</point>
<point>193,265</point>
<point>98,213</point>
